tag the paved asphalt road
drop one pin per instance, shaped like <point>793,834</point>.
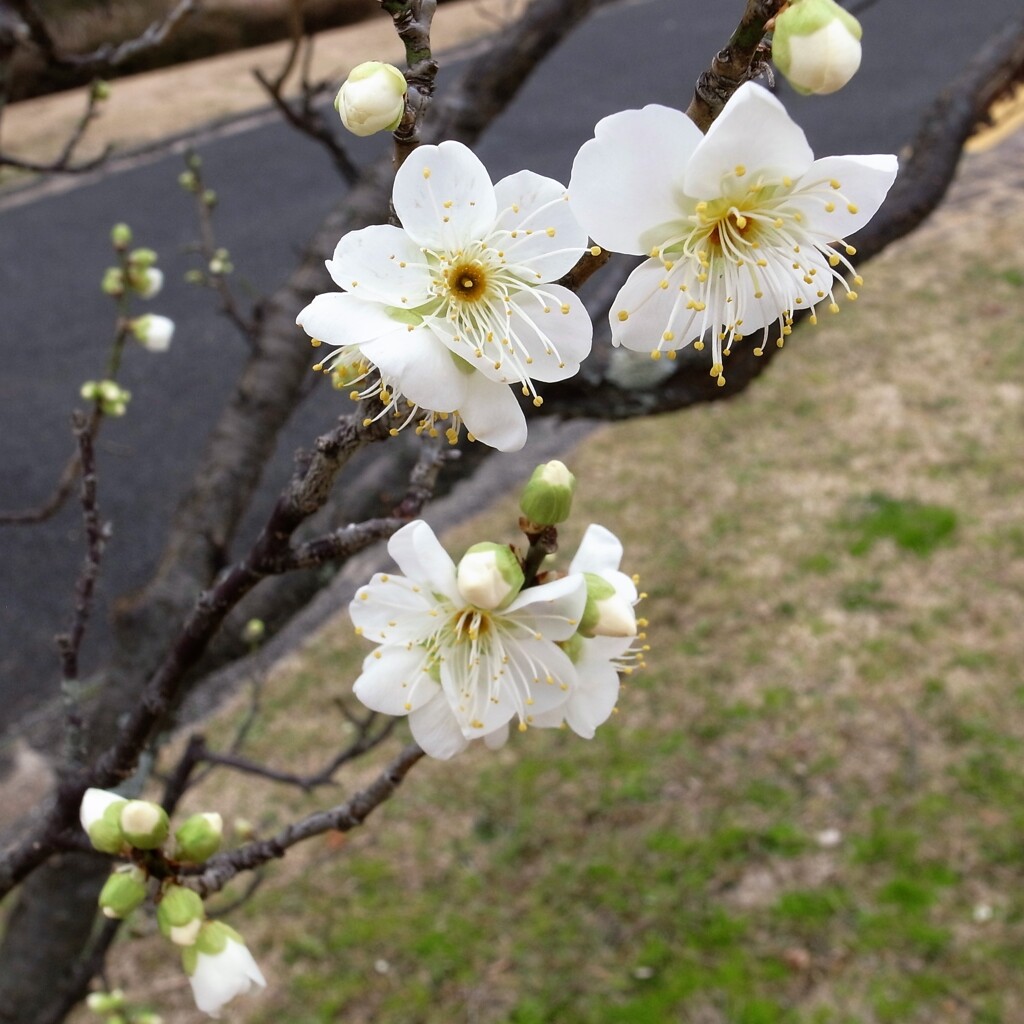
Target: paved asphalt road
<point>275,187</point>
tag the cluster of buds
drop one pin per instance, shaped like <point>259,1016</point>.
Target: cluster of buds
<point>816,45</point>
<point>114,1008</point>
<point>108,394</point>
<point>372,99</point>
<point>215,958</point>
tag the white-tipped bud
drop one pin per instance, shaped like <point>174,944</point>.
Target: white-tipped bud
<point>153,332</point>
<point>816,45</point>
<point>123,891</point>
<point>489,576</point>
<point>607,613</point>
<point>372,99</point>
<point>547,497</point>
<point>100,815</point>
<point>180,915</point>
<point>219,967</point>
<point>199,837</point>
<point>144,824</point>
<point>147,281</point>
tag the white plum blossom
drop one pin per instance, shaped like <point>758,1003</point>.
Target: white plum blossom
<point>220,967</point>
<point>458,303</point>
<point>740,225</point>
<point>461,672</point>
<point>599,659</point>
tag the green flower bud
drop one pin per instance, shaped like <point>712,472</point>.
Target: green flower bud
<point>816,45</point>
<point>105,1002</point>
<point>254,631</point>
<point>547,498</point>
<point>123,891</point>
<point>121,236</point>
<point>100,815</point>
<point>153,332</point>
<point>372,99</point>
<point>199,837</point>
<point>113,282</point>
<point>142,258</point>
<point>209,197</point>
<point>605,613</point>
<point>100,90</point>
<point>180,915</point>
<point>188,181</point>
<point>144,824</point>
<point>489,576</point>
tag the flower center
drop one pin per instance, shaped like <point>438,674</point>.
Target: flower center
<point>467,282</point>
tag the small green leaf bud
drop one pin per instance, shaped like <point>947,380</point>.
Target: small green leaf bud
<point>180,915</point>
<point>816,45</point>
<point>243,829</point>
<point>124,890</point>
<point>188,181</point>
<point>121,236</point>
<point>100,90</point>
<point>489,576</point>
<point>606,613</point>
<point>547,497</point>
<point>195,277</point>
<point>199,837</point>
<point>209,197</point>
<point>144,824</point>
<point>113,282</point>
<point>372,99</point>
<point>100,815</point>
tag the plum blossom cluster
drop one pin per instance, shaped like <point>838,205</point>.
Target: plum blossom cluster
<point>742,228</point>
<point>466,649</point>
<point>215,957</point>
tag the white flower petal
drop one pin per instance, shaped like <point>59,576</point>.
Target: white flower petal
<point>497,739</point>
<point>419,554</point>
<point>864,182</point>
<point>435,728</point>
<point>421,365</point>
<point>394,680</point>
<point>536,229</point>
<point>651,312</point>
<point>626,184</point>
<point>545,671</point>
<point>381,263</point>
<point>752,132</point>
<point>392,609</point>
<point>492,414</point>
<point>444,197</point>
<point>479,686</point>
<point>553,609</point>
<point>219,977</point>
<point>337,318</point>
<point>552,330</point>
<point>600,551</point>
<point>593,700</point>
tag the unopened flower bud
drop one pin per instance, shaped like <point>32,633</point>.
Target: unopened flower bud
<point>606,613</point>
<point>816,45</point>
<point>489,576</point>
<point>105,1002</point>
<point>121,236</point>
<point>209,197</point>
<point>113,282</point>
<point>219,967</point>
<point>100,815</point>
<point>199,837</point>
<point>372,99</point>
<point>254,631</point>
<point>100,90</point>
<point>243,829</point>
<point>144,824</point>
<point>153,332</point>
<point>147,281</point>
<point>180,915</point>
<point>123,891</point>
<point>547,497</point>
<point>142,258</point>
<point>188,181</point>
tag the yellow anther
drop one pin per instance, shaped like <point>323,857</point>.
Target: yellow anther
<point>852,296</point>
<point>851,250</point>
<point>833,260</point>
<point>851,207</point>
<point>622,315</point>
<point>830,207</point>
<point>858,279</point>
<point>550,232</point>
<point>833,307</point>
<point>663,284</point>
<point>668,336</point>
<point>698,345</point>
<point>739,170</point>
<point>315,342</point>
<point>448,204</point>
<point>835,184</point>
<point>671,353</point>
<point>595,250</point>
<point>655,354</point>
<point>565,308</point>
<point>426,172</point>
<point>537,402</point>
